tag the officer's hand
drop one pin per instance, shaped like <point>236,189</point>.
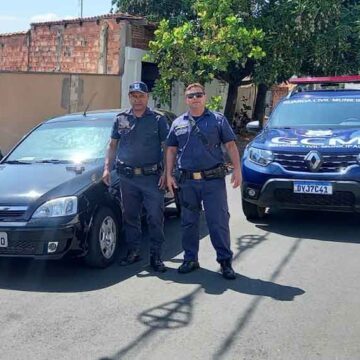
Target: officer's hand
<point>236,178</point>
<point>162,182</point>
<point>106,178</point>
<point>171,185</point>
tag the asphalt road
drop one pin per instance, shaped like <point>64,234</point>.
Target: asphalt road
<point>297,296</point>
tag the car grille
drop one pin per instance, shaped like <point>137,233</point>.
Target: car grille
<point>331,162</point>
<point>338,198</point>
<point>23,247</point>
<point>12,212</point>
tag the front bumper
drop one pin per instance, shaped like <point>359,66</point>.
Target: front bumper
<point>32,242</point>
<point>279,193</point>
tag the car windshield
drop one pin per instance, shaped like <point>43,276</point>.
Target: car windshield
<point>70,141</point>
<point>318,113</point>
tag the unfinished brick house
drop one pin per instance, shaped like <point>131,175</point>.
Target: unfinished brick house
<point>57,67</point>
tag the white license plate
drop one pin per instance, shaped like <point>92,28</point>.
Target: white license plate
<point>313,187</point>
<point>3,239</point>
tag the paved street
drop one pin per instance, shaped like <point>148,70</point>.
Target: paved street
<point>297,296</point>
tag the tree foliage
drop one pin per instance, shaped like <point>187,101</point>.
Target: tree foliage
<point>216,44</point>
<point>176,11</point>
<point>269,40</point>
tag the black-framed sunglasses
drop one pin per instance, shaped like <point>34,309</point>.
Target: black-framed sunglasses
<point>196,95</point>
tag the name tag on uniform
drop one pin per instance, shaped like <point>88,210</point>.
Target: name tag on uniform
<point>181,129</point>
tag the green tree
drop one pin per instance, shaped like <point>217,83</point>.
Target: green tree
<point>176,11</point>
<point>306,38</point>
<point>216,44</point>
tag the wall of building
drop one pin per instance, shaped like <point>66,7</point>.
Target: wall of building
<point>90,45</point>
<point>26,99</point>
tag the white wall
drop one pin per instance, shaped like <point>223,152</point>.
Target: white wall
<point>132,72</point>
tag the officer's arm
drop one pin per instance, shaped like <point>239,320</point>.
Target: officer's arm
<point>170,158</point>
<point>110,154</point>
<point>233,152</point>
<point>109,160</point>
<point>171,152</point>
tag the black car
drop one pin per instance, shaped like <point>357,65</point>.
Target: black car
<point>52,199</point>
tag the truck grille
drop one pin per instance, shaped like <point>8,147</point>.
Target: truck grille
<point>330,162</point>
<point>338,198</point>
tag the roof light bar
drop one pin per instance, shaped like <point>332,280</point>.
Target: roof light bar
<point>326,79</point>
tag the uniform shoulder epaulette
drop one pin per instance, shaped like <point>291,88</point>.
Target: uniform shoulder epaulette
<point>124,112</point>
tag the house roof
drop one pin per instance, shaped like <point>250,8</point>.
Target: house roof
<point>14,33</point>
<point>117,16</point>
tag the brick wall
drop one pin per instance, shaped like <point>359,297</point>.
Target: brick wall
<point>141,36</point>
<point>90,45</point>
<point>14,52</point>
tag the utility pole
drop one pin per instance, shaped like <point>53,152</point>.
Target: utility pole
<point>81,8</point>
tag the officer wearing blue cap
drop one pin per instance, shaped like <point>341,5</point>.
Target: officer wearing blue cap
<point>136,140</point>
<point>194,141</point>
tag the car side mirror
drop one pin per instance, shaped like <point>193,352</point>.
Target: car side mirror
<point>253,126</point>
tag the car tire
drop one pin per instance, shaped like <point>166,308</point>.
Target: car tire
<point>252,211</point>
<point>103,239</point>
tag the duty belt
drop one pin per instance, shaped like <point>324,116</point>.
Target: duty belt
<point>215,173</point>
<point>130,171</point>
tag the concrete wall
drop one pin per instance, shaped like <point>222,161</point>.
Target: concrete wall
<point>133,60</point>
<point>27,99</point>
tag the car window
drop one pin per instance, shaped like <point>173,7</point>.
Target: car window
<point>323,112</point>
<point>65,141</point>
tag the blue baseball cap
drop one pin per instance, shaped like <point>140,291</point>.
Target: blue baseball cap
<point>138,86</point>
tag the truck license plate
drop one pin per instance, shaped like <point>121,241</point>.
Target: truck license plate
<point>313,187</point>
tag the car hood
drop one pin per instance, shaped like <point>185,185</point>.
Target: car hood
<point>300,139</point>
<point>25,184</point>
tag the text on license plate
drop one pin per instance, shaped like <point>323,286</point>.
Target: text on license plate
<point>317,187</point>
<point>3,239</point>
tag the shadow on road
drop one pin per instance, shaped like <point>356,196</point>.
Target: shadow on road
<point>73,276</point>
<point>326,226</point>
<point>179,312</point>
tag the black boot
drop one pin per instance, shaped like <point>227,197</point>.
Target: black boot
<point>227,270</point>
<point>188,266</point>
<point>132,257</point>
<point>156,263</point>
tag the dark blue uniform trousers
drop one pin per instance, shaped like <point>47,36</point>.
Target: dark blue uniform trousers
<point>212,193</point>
<point>137,192</point>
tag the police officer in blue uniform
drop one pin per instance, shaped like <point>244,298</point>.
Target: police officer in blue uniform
<point>137,138</point>
<point>194,142</point>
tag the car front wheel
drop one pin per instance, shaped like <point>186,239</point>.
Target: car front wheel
<point>252,211</point>
<point>103,240</point>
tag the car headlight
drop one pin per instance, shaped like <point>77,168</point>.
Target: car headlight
<point>260,156</point>
<point>57,207</point>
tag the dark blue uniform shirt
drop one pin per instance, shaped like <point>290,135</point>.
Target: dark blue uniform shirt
<point>140,138</point>
<point>193,154</point>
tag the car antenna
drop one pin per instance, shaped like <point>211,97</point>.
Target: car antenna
<point>88,105</point>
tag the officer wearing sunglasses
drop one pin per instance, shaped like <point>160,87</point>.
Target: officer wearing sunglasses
<point>136,142</point>
<point>194,143</point>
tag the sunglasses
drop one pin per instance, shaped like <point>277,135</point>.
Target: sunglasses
<point>197,95</point>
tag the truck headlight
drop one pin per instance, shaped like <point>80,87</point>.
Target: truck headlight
<point>260,156</point>
<point>57,207</point>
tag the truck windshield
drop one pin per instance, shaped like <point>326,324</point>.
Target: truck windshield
<point>318,113</point>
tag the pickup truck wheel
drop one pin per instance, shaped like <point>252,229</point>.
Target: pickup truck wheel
<point>103,240</point>
<point>252,211</point>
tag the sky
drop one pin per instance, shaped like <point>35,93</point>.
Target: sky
<point>17,15</point>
